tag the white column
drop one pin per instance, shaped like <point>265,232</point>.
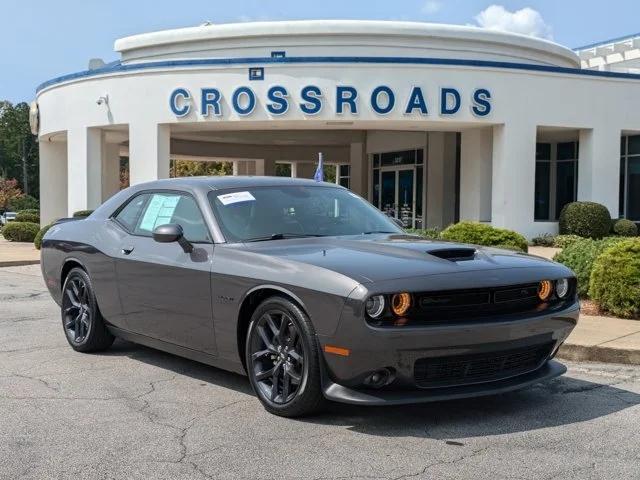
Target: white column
<point>599,167</point>
<point>110,170</point>
<point>359,173</point>
<point>435,185</point>
<point>449,179</point>
<point>513,176</point>
<point>475,174</point>
<point>84,169</point>
<point>266,167</point>
<point>53,180</point>
<point>149,147</point>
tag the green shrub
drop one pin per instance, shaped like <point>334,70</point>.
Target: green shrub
<point>580,255</point>
<point>483,234</point>
<point>587,219</point>
<point>430,233</point>
<point>563,241</point>
<point>37,242</point>
<point>544,240</point>
<point>615,279</point>
<point>82,213</point>
<point>20,231</point>
<point>32,216</point>
<point>24,202</point>
<point>625,228</point>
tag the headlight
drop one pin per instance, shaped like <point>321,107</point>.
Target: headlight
<point>545,289</point>
<point>400,303</point>
<point>562,287</point>
<point>375,306</point>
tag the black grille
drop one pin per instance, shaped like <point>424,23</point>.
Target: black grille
<point>476,368</point>
<point>477,303</point>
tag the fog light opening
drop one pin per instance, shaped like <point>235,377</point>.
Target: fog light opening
<point>380,378</point>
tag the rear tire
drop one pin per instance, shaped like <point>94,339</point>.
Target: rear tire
<point>82,322</point>
<point>283,359</point>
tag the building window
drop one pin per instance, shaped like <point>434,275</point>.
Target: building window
<point>397,185</point>
<point>283,169</point>
<point>343,174</point>
<point>556,181</point>
<point>630,177</point>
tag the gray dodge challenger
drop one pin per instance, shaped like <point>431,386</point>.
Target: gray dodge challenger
<point>307,289</point>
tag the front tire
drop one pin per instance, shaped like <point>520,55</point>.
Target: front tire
<point>283,359</point>
<point>82,322</point>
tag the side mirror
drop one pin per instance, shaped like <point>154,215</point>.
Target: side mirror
<point>172,232</point>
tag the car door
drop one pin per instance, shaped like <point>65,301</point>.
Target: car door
<point>165,292</point>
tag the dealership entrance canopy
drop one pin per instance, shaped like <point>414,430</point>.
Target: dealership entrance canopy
<point>431,123</point>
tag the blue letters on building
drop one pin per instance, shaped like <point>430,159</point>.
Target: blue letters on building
<point>382,101</point>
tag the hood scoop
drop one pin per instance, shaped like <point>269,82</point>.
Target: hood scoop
<point>454,254</point>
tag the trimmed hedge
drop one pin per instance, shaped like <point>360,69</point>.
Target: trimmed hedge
<point>615,279</point>
<point>483,234</point>
<point>37,242</point>
<point>579,256</point>
<point>20,231</point>
<point>625,228</point>
<point>586,219</point>
<point>544,240</point>
<point>32,216</point>
<point>563,241</point>
<point>82,213</point>
<point>24,202</point>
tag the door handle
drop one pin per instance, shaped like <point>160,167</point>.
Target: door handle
<point>127,250</point>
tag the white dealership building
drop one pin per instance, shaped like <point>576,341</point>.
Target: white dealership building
<point>431,123</point>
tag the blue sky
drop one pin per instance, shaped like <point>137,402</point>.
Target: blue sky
<point>42,39</point>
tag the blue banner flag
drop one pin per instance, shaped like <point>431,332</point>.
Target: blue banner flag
<point>319,175</point>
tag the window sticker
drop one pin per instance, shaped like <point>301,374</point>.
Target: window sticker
<point>159,211</point>
<point>235,197</point>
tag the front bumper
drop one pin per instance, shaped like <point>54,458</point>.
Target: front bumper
<point>338,393</point>
<point>397,350</point>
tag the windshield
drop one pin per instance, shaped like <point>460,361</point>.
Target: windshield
<point>263,213</point>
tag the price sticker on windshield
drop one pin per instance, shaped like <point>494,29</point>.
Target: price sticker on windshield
<point>236,197</point>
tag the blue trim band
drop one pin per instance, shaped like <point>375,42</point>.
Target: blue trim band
<point>118,67</point>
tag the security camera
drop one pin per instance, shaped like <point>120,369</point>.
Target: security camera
<point>103,99</point>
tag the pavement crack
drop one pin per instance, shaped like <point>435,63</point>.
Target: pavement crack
<point>474,453</point>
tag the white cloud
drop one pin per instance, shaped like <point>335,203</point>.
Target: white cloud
<point>526,21</point>
<point>431,6</point>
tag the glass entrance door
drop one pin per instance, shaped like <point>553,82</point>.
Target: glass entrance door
<point>398,194</point>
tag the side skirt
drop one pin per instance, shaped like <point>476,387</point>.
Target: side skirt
<point>185,352</point>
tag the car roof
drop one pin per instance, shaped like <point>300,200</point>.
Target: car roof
<point>229,181</point>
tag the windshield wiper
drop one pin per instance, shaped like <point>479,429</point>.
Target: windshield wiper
<point>377,231</point>
<point>281,236</point>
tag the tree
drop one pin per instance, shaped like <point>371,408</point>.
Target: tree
<point>191,168</point>
<point>9,190</point>
<point>18,147</point>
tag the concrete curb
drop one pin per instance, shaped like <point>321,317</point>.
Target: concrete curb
<point>19,263</point>
<point>581,353</point>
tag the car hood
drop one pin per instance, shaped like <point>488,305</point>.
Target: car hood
<point>376,258</point>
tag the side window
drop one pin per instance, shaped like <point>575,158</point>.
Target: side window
<point>128,216</point>
<point>163,208</point>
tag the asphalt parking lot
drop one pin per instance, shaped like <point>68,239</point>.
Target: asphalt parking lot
<point>137,413</point>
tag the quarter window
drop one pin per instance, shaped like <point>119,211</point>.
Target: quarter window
<point>149,210</point>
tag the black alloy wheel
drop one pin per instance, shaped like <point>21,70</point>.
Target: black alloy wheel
<point>76,310</point>
<point>282,359</point>
<point>81,319</point>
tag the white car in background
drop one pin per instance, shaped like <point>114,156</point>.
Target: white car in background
<point>7,217</point>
